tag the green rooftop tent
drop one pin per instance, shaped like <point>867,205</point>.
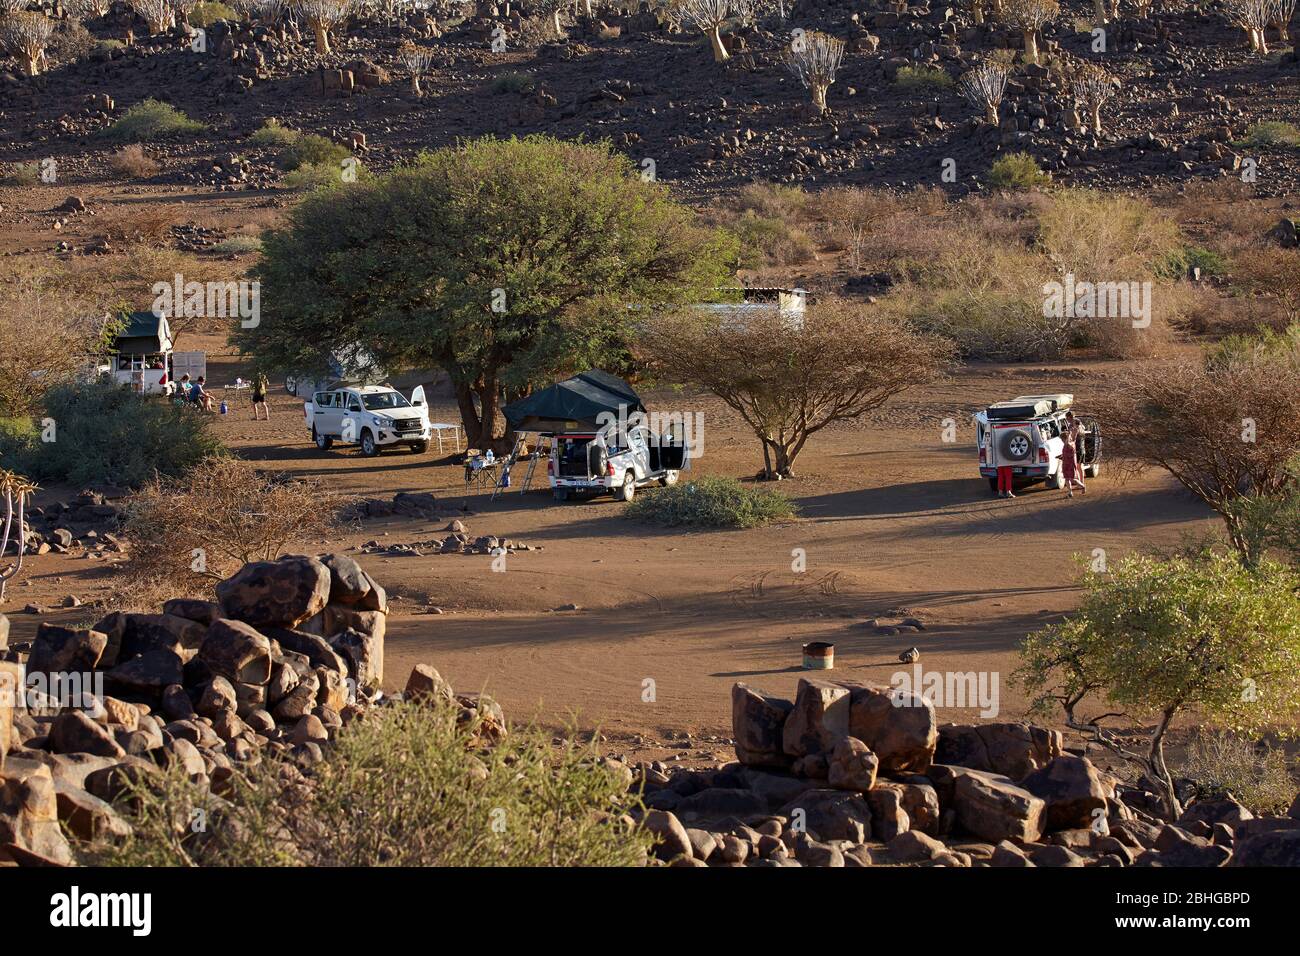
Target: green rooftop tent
<point>574,404</point>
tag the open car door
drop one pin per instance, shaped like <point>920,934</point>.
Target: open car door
<point>417,396</point>
<point>673,453</point>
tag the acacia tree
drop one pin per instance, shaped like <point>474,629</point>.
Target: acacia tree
<point>1157,640</point>
<point>323,16</point>
<point>26,35</point>
<point>984,86</point>
<point>709,17</point>
<point>814,59</point>
<point>1226,427</point>
<point>790,379</point>
<point>503,262</point>
<point>1092,86</point>
<point>1029,17</point>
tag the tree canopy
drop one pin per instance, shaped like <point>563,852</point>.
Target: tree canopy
<point>504,262</point>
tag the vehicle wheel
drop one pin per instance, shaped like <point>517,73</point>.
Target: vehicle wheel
<point>1092,471</point>
<point>291,385</point>
<point>561,494</point>
<point>419,447</point>
<point>993,485</point>
<point>323,442</point>
<point>627,490</point>
<point>369,447</point>
<point>1057,480</point>
<point>669,479</point>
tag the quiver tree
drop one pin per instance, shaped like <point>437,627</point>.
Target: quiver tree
<point>1092,86</point>
<point>16,490</point>
<point>1029,17</point>
<point>26,35</point>
<point>709,16</point>
<point>983,86</point>
<point>789,380</point>
<point>322,16</point>
<point>1252,16</point>
<point>417,61</point>
<point>814,58</point>
<point>1141,8</point>
<point>551,10</point>
<point>158,15</point>
<point>85,9</point>
<point>1280,14</point>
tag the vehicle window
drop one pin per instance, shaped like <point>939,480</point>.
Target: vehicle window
<point>324,400</point>
<point>353,404</point>
<point>382,400</point>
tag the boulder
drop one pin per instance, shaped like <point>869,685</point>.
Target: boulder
<point>888,818</point>
<point>4,633</point>
<point>830,815</point>
<point>280,593</point>
<point>851,765</point>
<point>1073,790</point>
<point>29,810</point>
<point>148,674</point>
<point>89,818</point>
<point>237,651</point>
<point>426,682</point>
<point>142,633</point>
<point>11,685</point>
<point>993,808</point>
<point>899,727</point>
<point>1010,749</point>
<point>63,650</point>
<point>1276,848</point>
<point>758,724</point>
<point>820,717</point>
<point>351,586</point>
<point>73,732</point>
<point>313,647</point>
<point>671,838</point>
<point>1226,810</point>
<point>912,846</point>
<point>363,650</point>
<point>921,801</point>
<point>218,698</point>
<point>176,704</point>
<point>202,612</point>
<point>717,803</point>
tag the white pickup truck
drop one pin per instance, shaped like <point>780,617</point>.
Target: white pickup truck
<point>1026,434</point>
<point>371,416</point>
<point>614,460</point>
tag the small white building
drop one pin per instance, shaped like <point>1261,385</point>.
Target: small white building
<point>790,304</point>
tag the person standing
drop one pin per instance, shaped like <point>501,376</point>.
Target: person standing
<point>260,387</point>
<point>1070,468</point>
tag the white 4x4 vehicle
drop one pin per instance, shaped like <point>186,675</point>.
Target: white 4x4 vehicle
<point>1026,435</point>
<point>372,416</point>
<point>614,460</point>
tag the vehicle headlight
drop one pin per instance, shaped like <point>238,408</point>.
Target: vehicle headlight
<point>376,420</point>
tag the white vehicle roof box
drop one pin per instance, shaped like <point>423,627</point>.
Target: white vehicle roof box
<point>1060,400</point>
<point>1019,410</point>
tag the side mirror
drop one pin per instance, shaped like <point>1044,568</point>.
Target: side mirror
<point>418,403</point>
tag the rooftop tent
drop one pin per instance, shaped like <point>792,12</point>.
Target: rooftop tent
<point>143,334</point>
<point>572,404</point>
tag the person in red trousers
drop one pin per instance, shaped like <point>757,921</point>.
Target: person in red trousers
<point>1004,482</point>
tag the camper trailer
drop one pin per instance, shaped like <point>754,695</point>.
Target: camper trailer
<point>141,355</point>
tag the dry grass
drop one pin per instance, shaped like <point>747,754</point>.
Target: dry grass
<point>132,162</point>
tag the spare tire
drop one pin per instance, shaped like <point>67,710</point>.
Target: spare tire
<point>1015,444</point>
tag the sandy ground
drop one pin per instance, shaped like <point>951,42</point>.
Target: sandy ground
<point>894,520</point>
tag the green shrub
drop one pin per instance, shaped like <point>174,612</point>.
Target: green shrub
<point>238,245</point>
<point>105,432</point>
<point>513,83</point>
<point>1272,133</point>
<point>923,78</point>
<point>271,133</point>
<point>991,325</point>
<point>1016,171</point>
<point>20,174</point>
<point>1183,261</point>
<point>712,503</point>
<point>312,150</point>
<point>209,12</point>
<point>149,120</point>
<point>313,177</point>
<point>1257,775</point>
<point>770,241</point>
<point>405,786</point>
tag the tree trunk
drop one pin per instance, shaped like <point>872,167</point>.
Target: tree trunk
<point>1095,110</point>
<point>558,29</point>
<point>322,39</point>
<point>489,398</point>
<point>30,65</point>
<point>1031,46</point>
<point>819,98</point>
<point>720,53</point>
<point>977,11</point>
<point>1157,759</point>
<point>415,85</point>
<point>991,113</point>
<point>1099,11</point>
<point>468,414</point>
